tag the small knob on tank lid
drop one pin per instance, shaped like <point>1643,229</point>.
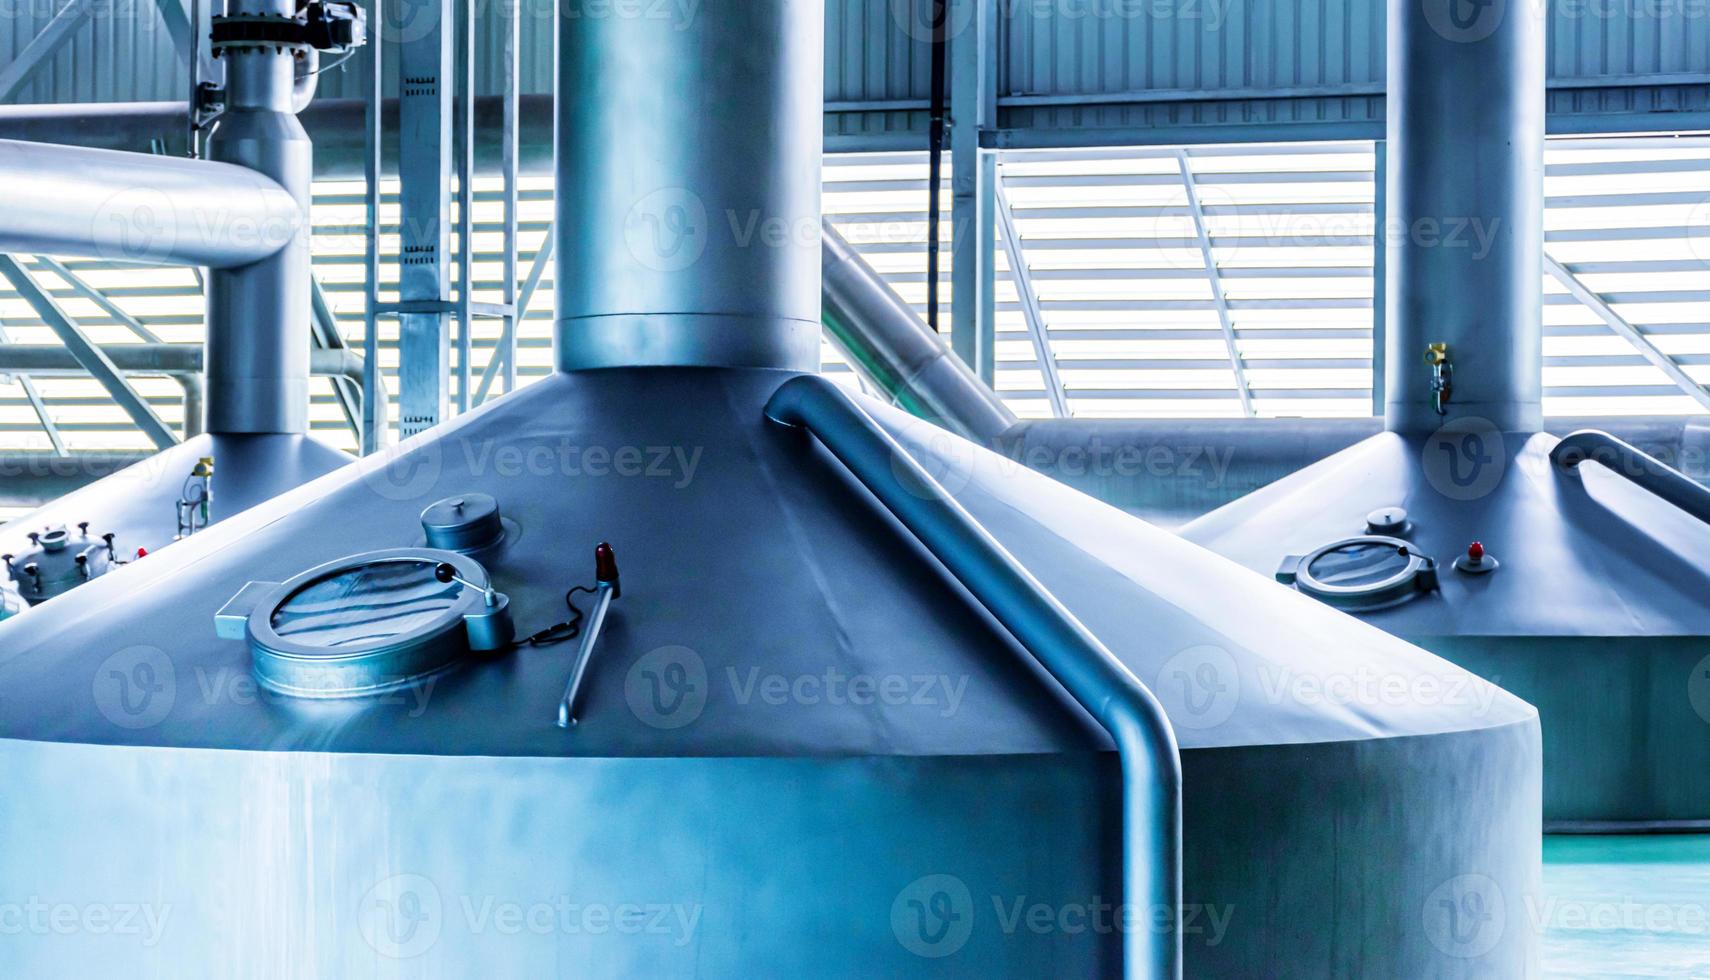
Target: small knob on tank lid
<point>605,568</point>
<point>1476,561</point>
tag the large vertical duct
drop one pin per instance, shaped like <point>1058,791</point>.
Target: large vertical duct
<point>690,205</point>
<point>258,314</point>
<point>1465,229</point>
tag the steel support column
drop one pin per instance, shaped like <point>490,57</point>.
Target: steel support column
<point>87,354</point>
<point>426,85</point>
<point>376,405</point>
<point>1626,331</point>
<point>973,175</point>
<point>465,144</point>
<point>1380,266</point>
<point>510,158</point>
<point>1216,281</point>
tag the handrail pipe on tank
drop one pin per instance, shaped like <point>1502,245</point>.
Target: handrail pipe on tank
<point>1627,460</point>
<point>1063,646</point>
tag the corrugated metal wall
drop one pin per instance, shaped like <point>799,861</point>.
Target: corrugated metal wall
<point>1193,58</point>
<point>1068,70</point>
<point>121,53</point>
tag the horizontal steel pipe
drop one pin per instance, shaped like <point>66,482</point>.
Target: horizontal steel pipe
<point>334,125</point>
<point>1629,461</point>
<point>136,207</point>
<point>883,338</point>
<point>167,359</point>
<point>1063,646</point>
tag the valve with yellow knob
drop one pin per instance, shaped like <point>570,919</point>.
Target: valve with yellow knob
<point>195,510</point>
<point>1442,373</point>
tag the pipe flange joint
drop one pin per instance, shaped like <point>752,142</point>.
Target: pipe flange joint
<point>259,32</point>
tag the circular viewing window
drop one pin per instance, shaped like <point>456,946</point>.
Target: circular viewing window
<point>374,622</point>
<point>1365,572</point>
<point>373,602</point>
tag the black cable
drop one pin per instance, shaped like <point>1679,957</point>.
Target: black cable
<point>559,632</point>
<point>935,155</point>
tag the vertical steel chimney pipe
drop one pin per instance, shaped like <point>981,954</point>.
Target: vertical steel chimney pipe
<point>258,314</point>
<point>1465,183</point>
<point>688,187</point>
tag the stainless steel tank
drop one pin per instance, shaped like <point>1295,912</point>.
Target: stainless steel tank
<point>804,741</point>
<point>1586,596</point>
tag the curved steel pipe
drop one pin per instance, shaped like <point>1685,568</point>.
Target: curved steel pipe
<point>1103,685</point>
<point>135,207</point>
<point>880,335</point>
<point>1628,460</point>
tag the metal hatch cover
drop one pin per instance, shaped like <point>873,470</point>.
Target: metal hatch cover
<point>1370,571</point>
<point>370,623</point>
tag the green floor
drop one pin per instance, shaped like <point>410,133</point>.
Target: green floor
<point>1636,906</point>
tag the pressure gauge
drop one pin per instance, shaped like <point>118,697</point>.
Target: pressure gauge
<point>1367,572</point>
<point>369,623</point>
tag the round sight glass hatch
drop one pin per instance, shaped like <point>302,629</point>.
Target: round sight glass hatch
<point>1359,564</point>
<point>368,623</point>
<point>1367,572</point>
<point>369,603</point>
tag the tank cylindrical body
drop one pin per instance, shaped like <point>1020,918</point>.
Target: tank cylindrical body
<point>1464,229</point>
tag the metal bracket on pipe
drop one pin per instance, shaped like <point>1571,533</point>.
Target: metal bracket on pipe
<point>1050,633</point>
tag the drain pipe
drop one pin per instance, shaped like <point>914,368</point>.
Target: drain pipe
<point>879,334</point>
<point>1069,652</point>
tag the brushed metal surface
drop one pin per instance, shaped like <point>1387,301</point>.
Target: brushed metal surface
<point>796,822</point>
